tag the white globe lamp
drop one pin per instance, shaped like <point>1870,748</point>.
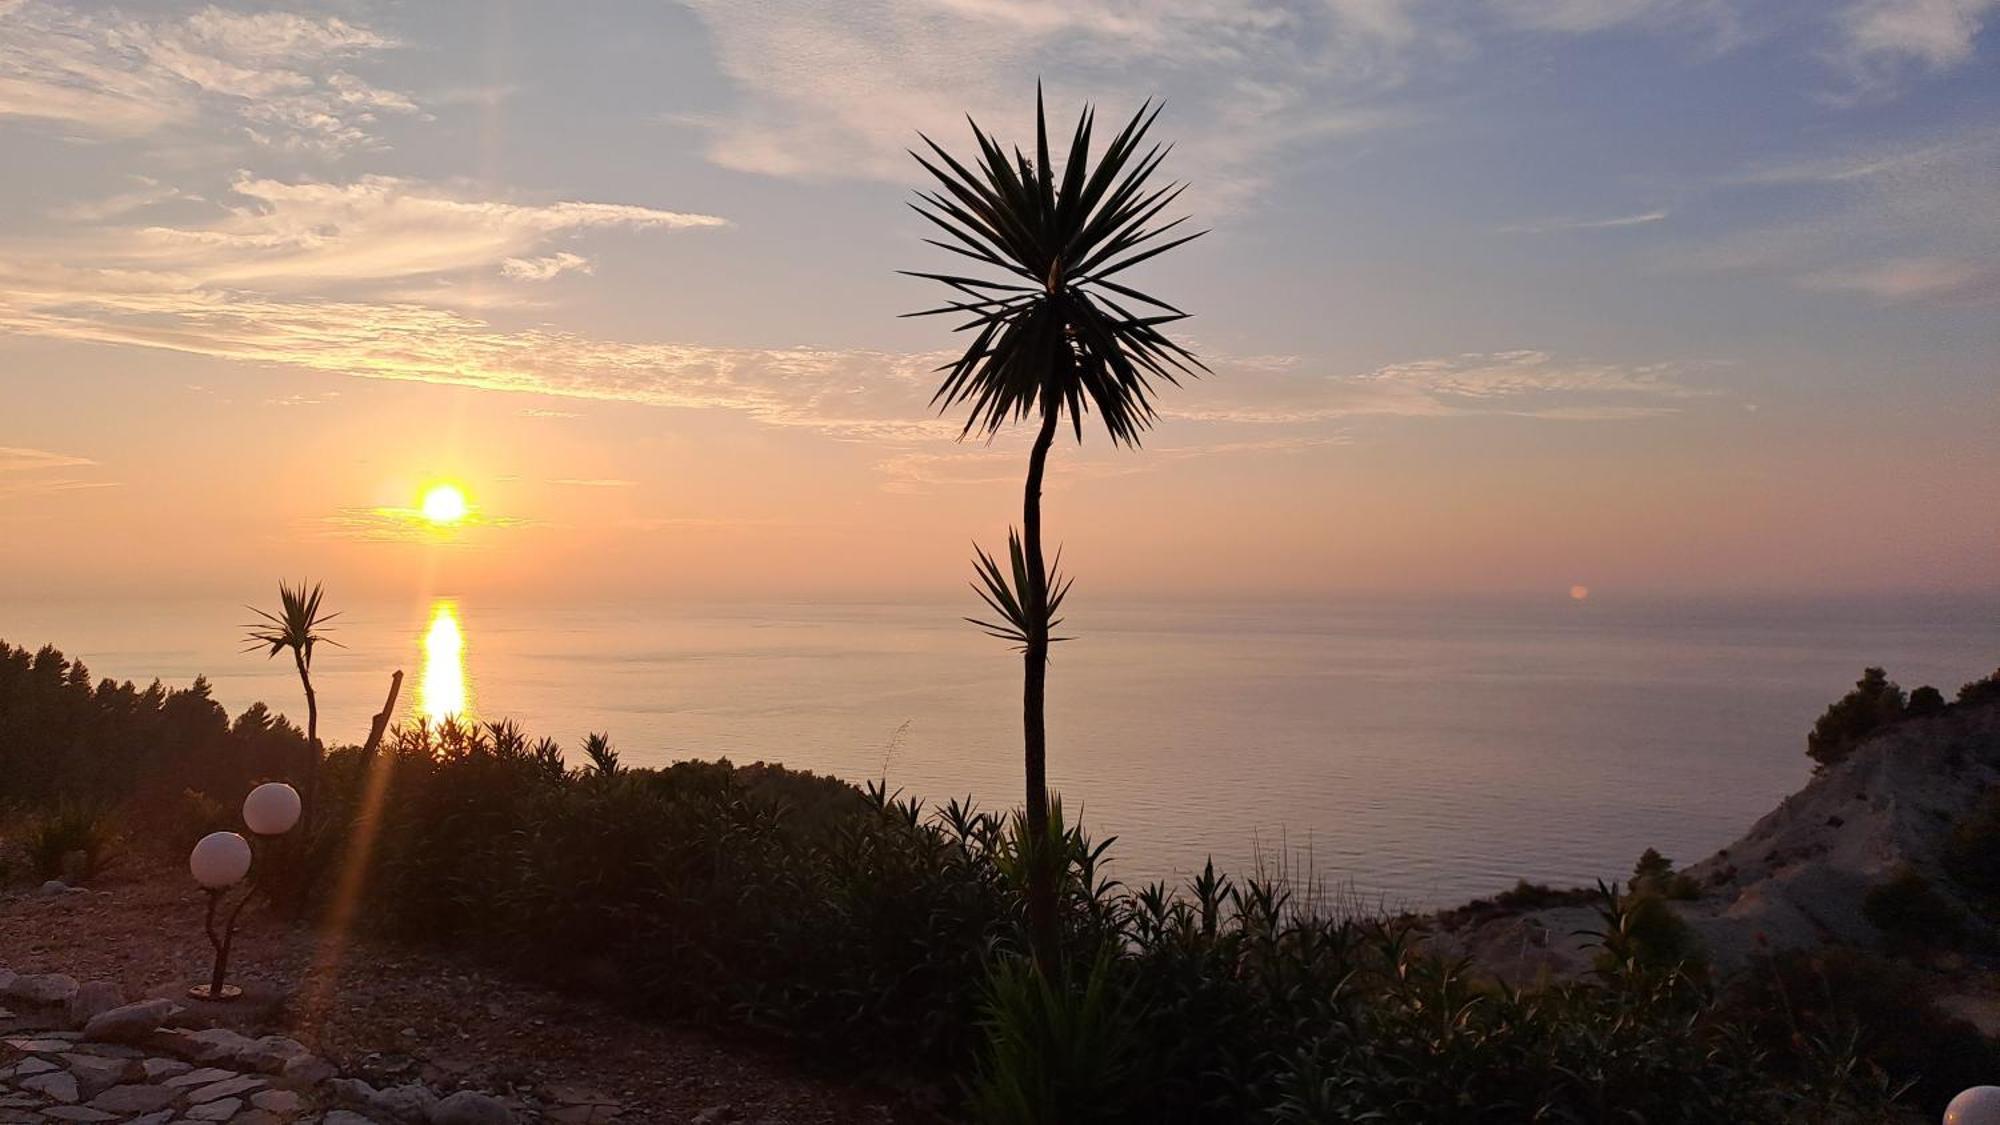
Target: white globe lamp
<point>219,860</point>
<point>1978,1106</point>
<point>271,809</point>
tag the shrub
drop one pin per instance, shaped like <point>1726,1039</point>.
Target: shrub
<point>1909,911</point>
<point>1971,851</point>
<point>1981,691</point>
<point>865,928</point>
<point>1055,1050</point>
<point>1874,703</point>
<point>1654,874</point>
<point>76,841</point>
<point>1838,999</point>
<point>1926,700</point>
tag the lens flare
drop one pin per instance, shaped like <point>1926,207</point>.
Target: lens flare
<point>444,693</point>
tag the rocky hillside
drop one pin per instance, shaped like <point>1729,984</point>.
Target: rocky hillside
<point>1800,875</point>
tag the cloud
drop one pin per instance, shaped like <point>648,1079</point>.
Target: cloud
<point>850,393</point>
<point>15,459</point>
<point>1909,221</point>
<point>841,90</point>
<point>542,269</point>
<point>280,75</point>
<point>278,235</point>
<point>918,470</point>
<point>1522,383</point>
<point>1582,17</point>
<point>410,525</point>
<point>1940,280</point>
<point>1878,42</point>
<point>1644,218</point>
<point>22,472</point>
<point>148,193</point>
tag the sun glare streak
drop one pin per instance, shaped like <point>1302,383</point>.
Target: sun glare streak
<point>444,694</point>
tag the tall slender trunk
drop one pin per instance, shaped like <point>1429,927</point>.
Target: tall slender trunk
<point>312,727</point>
<point>1035,670</point>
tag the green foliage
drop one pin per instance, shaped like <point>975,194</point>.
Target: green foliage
<point>603,759</point>
<point>1874,703</point>
<point>1654,874</point>
<point>1971,852</point>
<point>1008,594</point>
<point>1981,691</point>
<point>1910,912</point>
<point>1056,1050</point>
<point>1641,933</point>
<point>1835,1000</point>
<point>1926,700</point>
<point>1055,334</point>
<point>112,743</point>
<point>870,930</point>
<point>76,841</point>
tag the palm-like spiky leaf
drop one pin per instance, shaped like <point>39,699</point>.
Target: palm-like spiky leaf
<point>1005,592</point>
<point>298,625</point>
<point>1057,334</point>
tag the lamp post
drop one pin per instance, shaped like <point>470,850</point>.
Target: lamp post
<point>1978,1106</point>
<point>221,860</point>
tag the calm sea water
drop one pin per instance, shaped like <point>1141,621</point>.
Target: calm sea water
<point>1426,752</point>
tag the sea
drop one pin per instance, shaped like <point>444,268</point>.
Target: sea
<point>1407,753</point>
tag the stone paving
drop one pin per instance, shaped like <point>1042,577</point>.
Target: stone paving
<point>79,1053</point>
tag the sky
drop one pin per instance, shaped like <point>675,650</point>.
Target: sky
<point>1645,296</point>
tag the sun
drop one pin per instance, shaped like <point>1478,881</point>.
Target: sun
<point>444,504</point>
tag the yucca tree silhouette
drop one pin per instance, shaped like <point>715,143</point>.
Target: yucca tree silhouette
<point>298,626</point>
<point>1054,336</point>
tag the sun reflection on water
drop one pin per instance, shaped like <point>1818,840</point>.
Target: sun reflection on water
<point>444,691</point>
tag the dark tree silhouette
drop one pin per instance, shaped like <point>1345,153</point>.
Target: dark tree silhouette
<point>1875,702</point>
<point>1053,335</point>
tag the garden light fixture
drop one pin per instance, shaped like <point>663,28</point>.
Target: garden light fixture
<point>221,860</point>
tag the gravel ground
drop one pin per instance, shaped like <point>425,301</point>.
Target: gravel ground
<point>395,1015</point>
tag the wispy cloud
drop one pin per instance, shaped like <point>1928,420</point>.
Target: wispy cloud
<point>410,525</point>
<point>280,235</point>
<point>1938,280</point>
<point>15,459</point>
<point>1718,19</point>
<point>282,76</point>
<point>1643,218</point>
<point>146,193</point>
<point>1911,221</point>
<point>24,472</point>
<point>918,470</point>
<point>840,90</point>
<point>542,269</point>
<point>1523,383</point>
<point>1879,43</point>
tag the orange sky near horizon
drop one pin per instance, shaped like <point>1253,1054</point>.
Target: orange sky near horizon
<point>1669,312</point>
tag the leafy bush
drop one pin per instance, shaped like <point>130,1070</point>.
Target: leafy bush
<point>1909,911</point>
<point>1926,700</point>
<point>867,929</point>
<point>1971,851</point>
<point>76,841</point>
<point>1654,874</point>
<point>1981,691</point>
<point>1874,703</point>
<point>1837,1000</point>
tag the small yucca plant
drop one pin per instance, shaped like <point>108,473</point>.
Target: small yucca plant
<point>297,627</point>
